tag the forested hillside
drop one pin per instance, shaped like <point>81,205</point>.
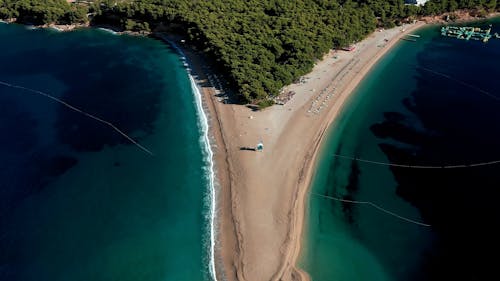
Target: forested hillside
<point>262,45</point>
<point>43,11</point>
<point>259,45</point>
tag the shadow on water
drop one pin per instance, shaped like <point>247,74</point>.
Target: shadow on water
<point>110,209</point>
<point>28,165</point>
<point>460,127</point>
<point>133,107</point>
<point>349,209</point>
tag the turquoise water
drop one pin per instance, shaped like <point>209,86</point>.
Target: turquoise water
<point>421,105</point>
<point>79,201</point>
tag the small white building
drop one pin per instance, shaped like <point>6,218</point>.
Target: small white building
<point>416,2</point>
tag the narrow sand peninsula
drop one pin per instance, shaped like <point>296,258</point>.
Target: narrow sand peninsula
<point>262,194</point>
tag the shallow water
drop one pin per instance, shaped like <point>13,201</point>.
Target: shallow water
<point>79,201</point>
<point>434,102</point>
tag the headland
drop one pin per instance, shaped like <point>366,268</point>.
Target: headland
<point>262,193</point>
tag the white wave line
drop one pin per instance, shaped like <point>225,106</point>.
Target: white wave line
<point>211,177</point>
<point>208,150</point>
<point>373,205</point>
<point>107,123</point>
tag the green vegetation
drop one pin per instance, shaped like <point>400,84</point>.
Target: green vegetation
<point>259,45</point>
<point>136,26</point>
<point>265,103</point>
<point>436,7</point>
<point>40,12</point>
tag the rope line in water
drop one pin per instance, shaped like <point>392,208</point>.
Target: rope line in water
<point>490,95</point>
<point>107,123</point>
<point>374,206</point>
<point>447,76</point>
<point>418,166</point>
<point>461,82</point>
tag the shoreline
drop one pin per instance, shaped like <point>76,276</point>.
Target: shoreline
<point>195,65</point>
<point>207,134</point>
<point>260,231</point>
<point>290,249</point>
<point>241,173</point>
<point>249,247</point>
<point>311,162</point>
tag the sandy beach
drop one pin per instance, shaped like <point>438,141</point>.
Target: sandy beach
<point>262,194</point>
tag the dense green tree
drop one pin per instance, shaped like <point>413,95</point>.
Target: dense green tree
<point>259,45</point>
<point>262,45</point>
<point>42,11</point>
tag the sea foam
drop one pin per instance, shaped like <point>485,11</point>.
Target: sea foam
<point>208,158</point>
<point>210,173</point>
<point>107,30</point>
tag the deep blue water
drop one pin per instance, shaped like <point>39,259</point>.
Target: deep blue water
<point>78,201</point>
<point>434,102</point>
